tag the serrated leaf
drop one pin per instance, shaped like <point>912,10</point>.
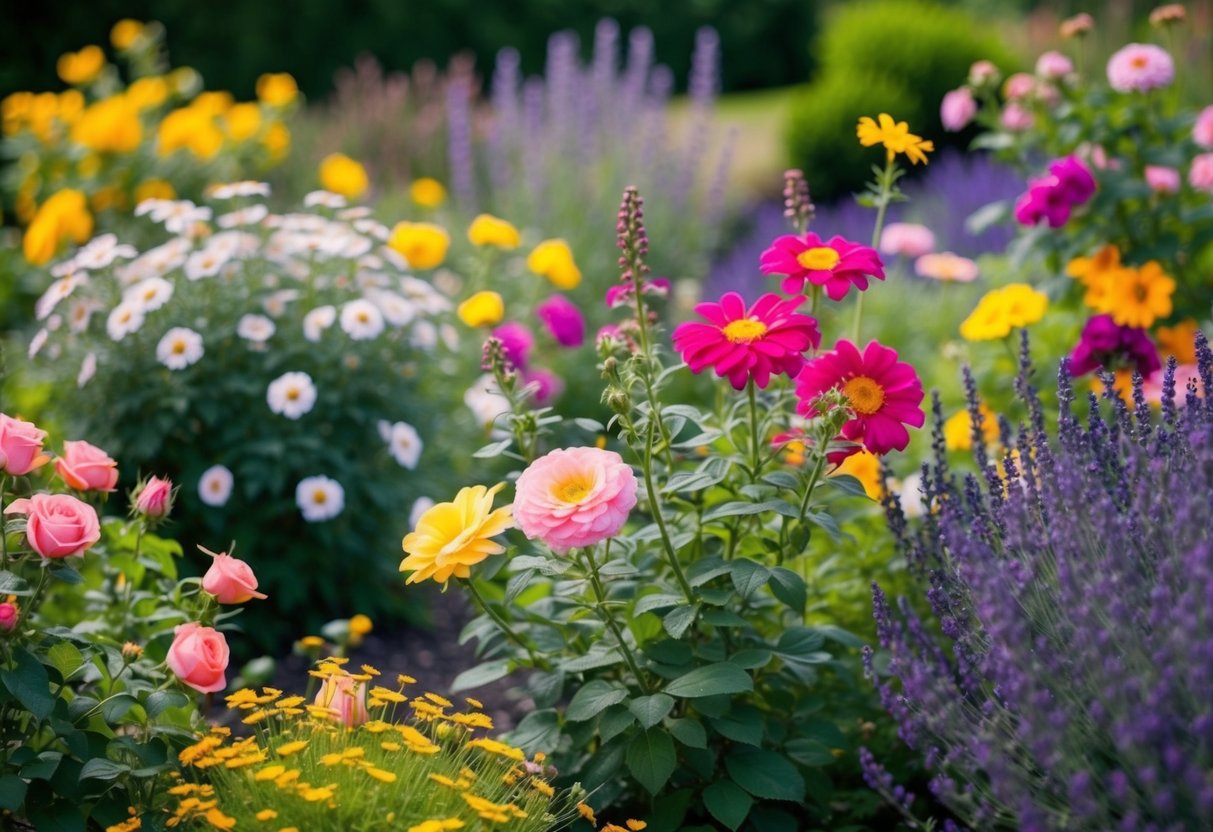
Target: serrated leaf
<point>160,701</point>
<point>593,698</point>
<point>11,584</point>
<point>656,601</point>
<point>810,753</point>
<point>790,588</point>
<point>481,675</point>
<point>711,680</point>
<point>65,657</point>
<point>748,576</point>
<point>651,759</point>
<point>614,721</point>
<point>728,803</point>
<point>678,620</point>
<point>689,732</point>
<point>765,774</point>
<point>742,723</point>
<point>705,569</point>
<point>650,710</point>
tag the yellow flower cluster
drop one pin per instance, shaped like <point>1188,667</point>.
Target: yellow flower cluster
<point>958,429</point>
<point>1002,310</point>
<point>1133,296</point>
<point>61,218</point>
<point>301,765</point>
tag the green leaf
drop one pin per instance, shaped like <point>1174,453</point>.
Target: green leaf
<point>705,569</point>
<point>712,680</point>
<point>738,508</point>
<point>11,584</point>
<point>100,768</point>
<point>789,588</point>
<point>651,759</point>
<point>651,709</point>
<point>751,659</point>
<point>61,571</point>
<point>12,792</point>
<point>657,601</point>
<point>493,449</point>
<point>742,723</point>
<point>689,732</point>
<point>782,479</point>
<point>538,731</point>
<point>838,634</point>
<point>592,660</point>
<point>56,816</point>
<point>615,720</point>
<point>65,657</point>
<point>593,698</point>
<point>678,620</point>
<point>727,803</point>
<point>848,484</point>
<point>799,642</point>
<point>42,768</point>
<point>29,684</point>
<point>765,774</point>
<point>159,701</point>
<point>117,706</point>
<point>589,425</point>
<point>481,675</point>
<point>810,753</point>
<point>749,576</point>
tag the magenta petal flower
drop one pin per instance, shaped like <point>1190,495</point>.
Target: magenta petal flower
<point>884,394</point>
<point>1073,179</point>
<point>517,341</point>
<point>1044,200</point>
<point>563,319</point>
<point>837,264</point>
<point>741,344</point>
<point>1106,344</point>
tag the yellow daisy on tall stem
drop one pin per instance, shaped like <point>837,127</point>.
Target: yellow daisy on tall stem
<point>895,136</point>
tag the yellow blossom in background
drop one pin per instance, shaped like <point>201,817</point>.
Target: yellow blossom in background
<point>1094,272</point>
<point>213,102</point>
<point>125,32</point>
<point>452,537</point>
<point>77,68</point>
<point>437,825</point>
<point>277,89</point>
<point>427,192</point>
<point>895,136</point>
<point>422,244</point>
<point>1002,310</point>
<point>154,189</point>
<point>111,196</point>
<point>553,259</point>
<point>111,125</point>
<point>343,175</point>
<point>487,230</point>
<point>864,466</point>
<point>482,309</point>
<point>190,128</point>
<point>1179,341</point>
<point>360,625</point>
<point>1138,297</point>
<point>958,429</point>
<point>147,93</point>
<point>63,217</point>
<point>243,121</point>
<point>277,141</point>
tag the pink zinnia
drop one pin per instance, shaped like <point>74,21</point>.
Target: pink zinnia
<point>574,497</point>
<point>836,264</point>
<point>1019,85</point>
<point>1162,180</point>
<point>1054,66</point>
<point>548,385</point>
<point>884,394</point>
<point>742,344</point>
<point>957,109</point>
<point>1200,175</point>
<point>563,319</point>
<point>1202,131</point>
<point>908,239</point>
<point>1140,67</point>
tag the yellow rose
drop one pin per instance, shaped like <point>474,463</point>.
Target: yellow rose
<point>482,309</point>
<point>553,259</point>
<point>342,175</point>
<point>427,192</point>
<point>487,230</point>
<point>422,244</point>
<point>77,68</point>
<point>277,89</point>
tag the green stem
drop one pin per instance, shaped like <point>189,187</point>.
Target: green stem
<point>755,452</point>
<point>882,205</point>
<point>504,625</point>
<point>3,536</point>
<point>609,620</point>
<point>813,478</point>
<point>647,359</point>
<point>28,609</point>
<point>655,505</point>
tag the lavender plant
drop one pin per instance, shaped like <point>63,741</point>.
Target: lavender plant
<point>1071,583</point>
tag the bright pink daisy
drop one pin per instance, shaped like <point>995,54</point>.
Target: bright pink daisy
<point>836,264</point>
<point>884,394</point>
<point>742,344</point>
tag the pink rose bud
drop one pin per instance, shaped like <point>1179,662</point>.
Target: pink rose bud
<point>957,110</point>
<point>86,467</point>
<point>198,657</point>
<point>1017,118</point>
<point>346,699</point>
<point>155,499</point>
<point>58,525</point>
<point>982,72</point>
<point>9,615</point>
<point>1019,85</point>
<point>1202,130</point>
<point>231,581</point>
<point>1054,66</point>
<point>1162,180</point>
<point>20,446</point>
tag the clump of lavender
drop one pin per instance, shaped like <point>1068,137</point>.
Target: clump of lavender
<point>1072,687</point>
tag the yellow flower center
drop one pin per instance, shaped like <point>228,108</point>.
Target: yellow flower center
<point>820,258</point>
<point>292,394</point>
<point>1142,292</point>
<point>178,347</point>
<point>363,317</point>
<point>864,394</point>
<point>572,490</point>
<point>319,497</point>
<point>1140,62</point>
<point>744,331</point>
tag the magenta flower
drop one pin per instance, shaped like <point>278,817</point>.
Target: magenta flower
<point>1140,67</point>
<point>548,385</point>
<point>563,319</point>
<point>884,394</point>
<point>517,341</point>
<point>1074,179</point>
<point>574,497</point>
<point>1104,343</point>
<point>622,293</point>
<point>1053,197</point>
<point>743,344</point>
<point>836,265</point>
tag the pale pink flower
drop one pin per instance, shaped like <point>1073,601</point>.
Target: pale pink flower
<point>1162,180</point>
<point>908,239</point>
<point>1184,374</point>
<point>982,72</point>
<point>1054,66</point>
<point>1016,117</point>
<point>1202,131</point>
<point>345,699</point>
<point>574,497</point>
<point>1200,175</point>
<point>1140,67</point>
<point>1019,85</point>
<point>947,267</point>
<point>957,109</point>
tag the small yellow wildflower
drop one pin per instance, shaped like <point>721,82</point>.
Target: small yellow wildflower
<point>124,33</point>
<point>277,89</point>
<point>311,642</point>
<point>243,121</point>
<point>390,746</point>
<point>198,749</point>
<point>422,244</point>
<point>289,748</point>
<point>315,795</point>
<point>79,68</point>
<point>958,429</point>
<point>266,814</point>
<point>271,772</point>
<point>500,748</point>
<point>291,702</point>
<point>895,136</point>
<point>219,820</point>
<point>129,825</point>
<point>482,309</point>
<point>553,259</point>
<point>475,703</point>
<point>543,787</point>
<point>1001,310</point>
<point>636,825</point>
<point>360,625</point>
<point>277,141</point>
<point>437,825</point>
<point>286,778</point>
<point>427,192</point>
<point>487,230</point>
<point>439,700</point>
<point>343,175</point>
<point>381,775</point>
<point>586,812</point>
<point>387,695</point>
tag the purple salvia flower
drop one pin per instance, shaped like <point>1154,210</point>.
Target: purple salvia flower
<point>459,142</point>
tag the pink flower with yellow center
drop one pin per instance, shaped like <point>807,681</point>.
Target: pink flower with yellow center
<point>837,264</point>
<point>884,394</point>
<point>742,344</point>
<point>574,497</point>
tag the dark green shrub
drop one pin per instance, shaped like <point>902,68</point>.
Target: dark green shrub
<point>869,51</point>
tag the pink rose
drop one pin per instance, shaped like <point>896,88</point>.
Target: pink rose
<point>1162,180</point>
<point>155,498</point>
<point>231,581</point>
<point>198,657</point>
<point>982,72</point>
<point>86,467</point>
<point>58,525</point>
<point>1054,66</point>
<point>1200,175</point>
<point>957,110</point>
<point>9,614</point>
<point>1019,85</point>
<point>1202,131</point>
<point>1016,118</point>
<point>574,497</point>
<point>20,446</point>
<point>345,698</point>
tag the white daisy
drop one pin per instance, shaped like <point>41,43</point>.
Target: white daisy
<point>80,312</point>
<point>38,342</point>
<point>150,293</point>
<point>250,215</point>
<point>485,401</point>
<point>291,394</point>
<point>371,228</point>
<point>450,336</point>
<point>215,485</point>
<point>424,296</point>
<point>179,348</point>
<point>317,321</point>
<point>361,320</point>
<point>57,291</point>
<point>124,319</point>
<point>424,336</point>
<point>88,369</point>
<point>157,261</point>
<point>405,445</point>
<point>355,213</point>
<point>180,215</point>
<point>245,187</point>
<point>319,498</point>
<point>255,328</point>
<point>205,263</point>
<point>103,250</point>
<point>327,199</point>
<point>155,207</point>
<point>54,322</point>
<point>275,303</point>
<point>229,244</point>
<point>396,310</point>
<point>420,507</point>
